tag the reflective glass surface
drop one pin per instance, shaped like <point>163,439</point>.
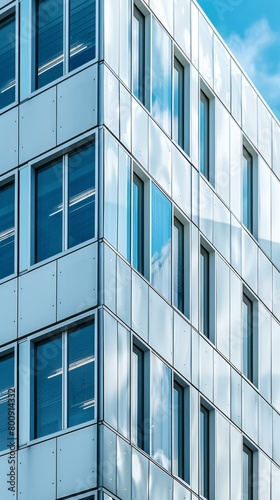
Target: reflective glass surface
<point>161,242</point>
<point>7,229</point>
<point>81,195</point>
<point>204,452</point>
<point>247,202</point>
<point>138,224</point>
<point>178,103</point>
<point>138,55</point>
<point>7,61</point>
<point>6,397</point>
<point>178,265</point>
<point>124,211</point>
<point>137,397</point>
<point>82,32</point>
<point>48,210</point>
<point>49,41</point>
<point>178,430</point>
<point>81,360</point>
<point>204,291</point>
<point>247,473</point>
<point>247,337</point>
<point>204,135</point>
<point>48,387</point>
<point>161,76</point>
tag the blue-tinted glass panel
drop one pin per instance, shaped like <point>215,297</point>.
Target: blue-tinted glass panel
<point>204,291</point>
<point>138,224</point>
<point>81,360</point>
<point>81,192</point>
<point>124,210</point>
<point>247,474</point>
<point>137,397</point>
<point>82,28</point>
<point>7,229</point>
<point>178,431</point>
<point>178,265</point>
<point>6,397</point>
<point>48,210</point>
<point>178,103</point>
<point>161,242</point>
<point>7,61</point>
<point>161,76</point>
<point>138,55</point>
<point>204,452</point>
<point>247,202</point>
<point>204,135</point>
<point>48,387</point>
<point>49,41</point>
<point>247,337</point>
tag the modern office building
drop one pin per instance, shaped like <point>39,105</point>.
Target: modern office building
<point>139,258</point>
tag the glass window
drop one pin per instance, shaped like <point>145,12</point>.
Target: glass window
<point>7,401</point>
<point>7,229</point>
<point>161,243</point>
<point>138,55</point>
<point>247,473</point>
<point>247,337</point>
<point>180,432</point>
<point>178,278</point>
<point>82,29</point>
<point>53,372</point>
<point>204,135</point>
<point>178,103</point>
<point>54,220</point>
<point>247,202</point>
<point>140,434</point>
<point>204,452</point>
<point>204,291</point>
<point>138,224</point>
<point>7,61</point>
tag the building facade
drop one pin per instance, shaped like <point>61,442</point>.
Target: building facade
<point>139,258</point>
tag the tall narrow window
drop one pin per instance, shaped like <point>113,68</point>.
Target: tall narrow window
<point>81,32</point>
<point>178,265</point>
<point>247,337</point>
<point>247,210</point>
<point>7,229</point>
<point>7,61</point>
<point>178,431</point>
<point>204,452</point>
<point>178,103</point>
<point>204,292</point>
<point>204,135</point>
<point>138,224</point>
<point>7,395</point>
<point>138,55</point>
<point>140,399</point>
<point>247,473</point>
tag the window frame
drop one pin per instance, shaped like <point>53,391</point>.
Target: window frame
<point>179,59</point>
<point>185,225</point>
<point>208,172</point>
<point>6,12</point>
<point>6,351</point>
<point>252,375</point>
<point>250,155</point>
<point>140,8</point>
<point>184,473</point>
<point>208,410</point>
<point>6,180</point>
<point>210,332</point>
<point>144,352</point>
<point>252,453</point>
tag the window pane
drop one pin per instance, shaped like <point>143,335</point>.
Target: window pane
<point>204,135</point>
<point>7,61</point>
<point>81,191</point>
<point>48,208</point>
<point>247,216</point>
<point>160,412</point>
<point>138,224</point>
<point>178,426</point>
<point>179,265</point>
<point>247,473</point>
<point>137,397</point>
<point>161,76</point>
<point>247,338</point>
<point>82,32</point>
<point>204,452</point>
<point>6,382</point>
<point>178,103</point>
<point>161,242</point>
<point>49,41</point>
<point>204,291</point>
<point>7,229</point>
<point>138,55</point>
<point>81,397</point>
<point>48,387</point>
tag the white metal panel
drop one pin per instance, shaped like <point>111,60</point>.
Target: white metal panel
<point>276,437</point>
<point>164,11</point>
<point>108,464</point>
<point>236,92</point>
<point>194,34</point>
<point>77,461</point>
<point>8,311</point>
<point>276,147</point>
<point>77,104</point>
<point>205,50</point>
<point>194,266</point>
<point>235,397</point>
<point>264,206</point>
<point>265,427</point>
<point>111,101</point>
<point>221,72</point>
<point>109,284</point>
<point>264,477</point>
<point>194,115</point>
<point>124,468</point>
<point>249,260</point>
<point>123,376</point>
<point>110,370</point>
<point>275,482</point>
<point>160,326</point>
<point>275,210</point>
<point>140,481</point>
<point>112,33</point>
<point>249,110</point>
<point>222,384</point>
<point>235,244</point>
<point>275,369</point>
<point>37,471</point>
<point>182,28</point>
<point>222,160</point>
<point>125,45</point>
<point>77,281</point>
<point>140,133</point>
<point>250,411</point>
<point>160,484</point>
<point>264,351</point>
<point>180,492</point>
<point>222,306</point>
<point>125,117</point>
<point>276,292</point>
<point>236,320</point>
<point>182,346</point>
<point>206,207</point>
<point>8,475</point>
<point>181,181</point>
<point>140,304</point>
<point>222,228</point>
<point>195,196</point>
<point>235,173</point>
<point>8,140</point>
<point>236,449</point>
<point>160,157</point>
<point>222,457</point>
<point>195,358</point>
<point>206,368</point>
<point>264,131</point>
<point>37,298</point>
<point>265,279</point>
<point>123,291</point>
<point>111,168</point>
<point>37,125</point>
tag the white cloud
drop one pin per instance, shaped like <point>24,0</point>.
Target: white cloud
<point>257,52</point>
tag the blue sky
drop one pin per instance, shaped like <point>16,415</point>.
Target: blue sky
<point>251,28</point>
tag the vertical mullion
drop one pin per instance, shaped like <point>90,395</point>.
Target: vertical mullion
<point>66,35</point>
<point>64,380</point>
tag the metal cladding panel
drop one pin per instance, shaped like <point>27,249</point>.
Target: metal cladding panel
<point>37,125</point>
<point>140,305</point>
<point>236,446</point>
<point>140,133</point>
<point>250,411</point>
<point>77,281</point>
<point>249,260</point>
<point>235,397</point>
<point>108,464</point>
<point>111,33</point>
<point>8,140</point>
<point>249,111</point>
<point>206,368</point>
<point>264,131</point>
<point>123,469</point>
<point>164,11</point>
<point>160,157</point>
<point>77,461</point>
<point>276,437</point>
<point>265,427</point>
<point>264,352</point>
<point>77,104</point>
<point>275,482</point>
<point>160,483</point>
<point>222,384</point>
<point>180,493</point>
<point>182,338</point>
<point>276,147</point>
<point>206,209</point>
<point>37,299</point>
<point>222,458</point>
<point>222,72</point>
<point>182,28</point>
<point>275,365</point>
<point>125,117</point>
<point>160,326</point>
<point>181,181</point>
<point>140,465</point>
<point>264,206</point>
<point>264,477</point>
<point>205,50</point>
<point>8,311</point>
<point>111,102</point>
<point>37,471</point>
<point>222,306</point>
<point>235,244</point>
<point>5,469</point>
<point>235,147</point>
<point>236,92</point>
<point>109,285</point>
<point>222,228</point>
<point>125,46</point>
<point>222,151</point>
<point>110,378</point>
<point>123,291</point>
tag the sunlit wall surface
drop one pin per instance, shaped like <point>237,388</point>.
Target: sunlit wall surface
<point>139,258</point>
